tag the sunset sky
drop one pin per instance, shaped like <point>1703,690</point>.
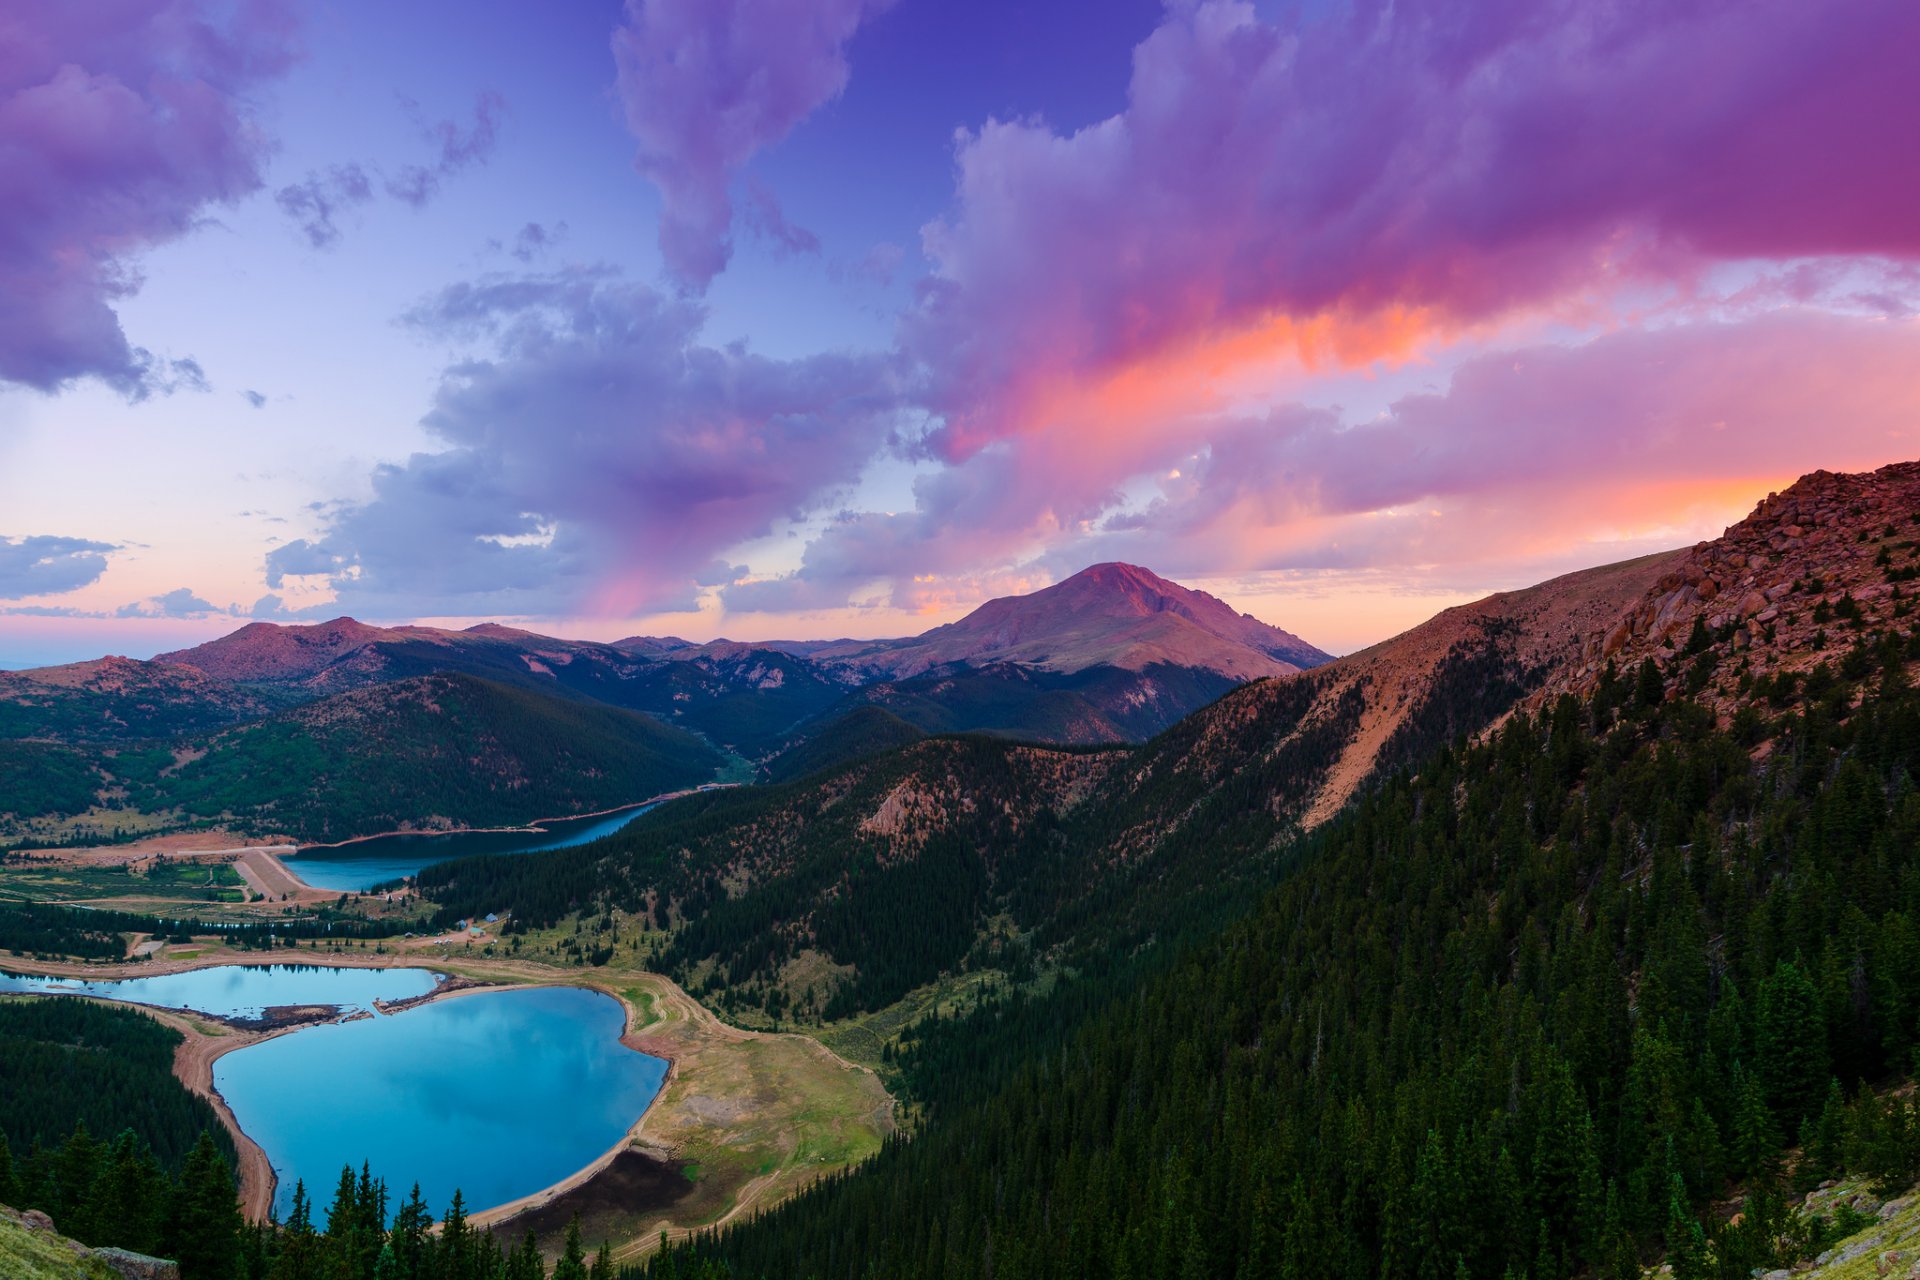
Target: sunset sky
<point>837,317</point>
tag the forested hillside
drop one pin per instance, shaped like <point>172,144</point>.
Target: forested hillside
<point>885,871</point>
<point>842,892</point>
<point>117,698</point>
<point>69,1063</point>
<point>430,752</point>
<point>437,751</point>
<point>861,732</point>
<point>1525,1012</point>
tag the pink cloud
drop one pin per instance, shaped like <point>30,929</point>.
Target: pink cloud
<point>1424,165</point>
<point>707,83</point>
<point>120,123</point>
<point>1530,461</point>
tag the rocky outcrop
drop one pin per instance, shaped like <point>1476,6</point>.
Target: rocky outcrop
<point>31,1246</point>
<point>138,1266</point>
<point>1814,563</point>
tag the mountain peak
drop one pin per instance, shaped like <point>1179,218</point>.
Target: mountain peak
<point>1111,614</point>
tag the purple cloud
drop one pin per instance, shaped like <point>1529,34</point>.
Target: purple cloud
<point>47,566</point>
<point>599,458</point>
<point>707,83</point>
<point>178,603</point>
<point>418,184</point>
<point>766,219</point>
<point>1426,163</point>
<point>534,239</point>
<point>120,124</point>
<point>320,198</point>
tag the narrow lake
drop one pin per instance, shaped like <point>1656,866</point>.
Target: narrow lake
<point>498,1094</point>
<point>357,867</point>
<point>241,990</point>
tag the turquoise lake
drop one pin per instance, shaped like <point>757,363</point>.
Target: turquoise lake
<point>242,990</point>
<point>497,1094</point>
<point>357,867</point>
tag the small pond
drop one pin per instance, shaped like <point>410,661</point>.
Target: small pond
<point>241,990</point>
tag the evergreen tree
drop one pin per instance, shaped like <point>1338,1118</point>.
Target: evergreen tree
<point>572,1263</point>
<point>203,1232</point>
<point>525,1263</point>
<point>1790,1044</point>
<point>300,1256</point>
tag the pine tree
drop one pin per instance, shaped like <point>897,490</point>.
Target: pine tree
<point>572,1263</point>
<point>300,1249</point>
<point>408,1239</point>
<point>525,1263</point>
<point>1790,1039</point>
<point>1756,1139</point>
<point>126,1205</point>
<point>457,1248</point>
<point>1687,1248</point>
<point>204,1231</point>
<point>75,1166</point>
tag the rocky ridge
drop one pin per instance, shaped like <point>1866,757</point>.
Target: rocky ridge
<point>1825,560</point>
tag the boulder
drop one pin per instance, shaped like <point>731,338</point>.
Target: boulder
<point>138,1266</point>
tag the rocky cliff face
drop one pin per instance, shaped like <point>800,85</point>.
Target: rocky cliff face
<point>1814,566</point>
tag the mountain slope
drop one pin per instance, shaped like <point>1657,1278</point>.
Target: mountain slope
<point>1525,1010</point>
<point>862,732</point>
<point>431,753</point>
<point>121,698</point>
<point>1525,1013</point>
<point>424,753</point>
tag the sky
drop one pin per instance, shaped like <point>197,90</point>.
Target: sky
<point>804,318</point>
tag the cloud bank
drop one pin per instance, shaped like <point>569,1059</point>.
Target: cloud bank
<point>1343,186</point>
<point>121,125</point>
<point>599,458</point>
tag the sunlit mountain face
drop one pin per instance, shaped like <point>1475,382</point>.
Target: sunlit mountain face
<point>838,319</point>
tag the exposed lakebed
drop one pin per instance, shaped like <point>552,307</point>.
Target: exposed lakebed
<point>362,864</point>
<point>498,1093</point>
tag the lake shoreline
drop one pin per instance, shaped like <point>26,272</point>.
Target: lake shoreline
<point>532,827</point>
<point>198,1051</point>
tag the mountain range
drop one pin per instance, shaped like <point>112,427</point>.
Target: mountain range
<point>878,821</point>
<point>1114,653</point>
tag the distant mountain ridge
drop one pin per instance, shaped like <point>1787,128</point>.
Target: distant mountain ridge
<point>1114,652</point>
